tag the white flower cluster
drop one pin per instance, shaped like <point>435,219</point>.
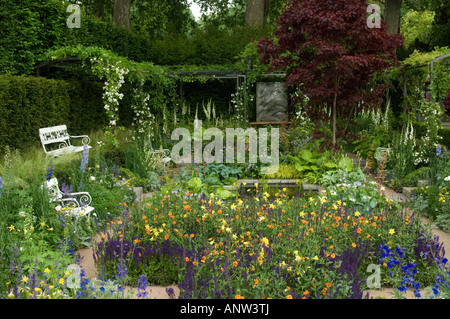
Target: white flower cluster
<point>143,118</point>
<point>238,100</point>
<point>115,78</point>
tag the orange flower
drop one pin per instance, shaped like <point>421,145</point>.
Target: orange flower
<point>195,263</point>
<point>289,297</point>
<point>328,284</point>
<point>235,263</point>
<point>187,259</point>
<point>166,237</point>
<point>256,281</point>
<point>192,235</point>
<point>359,230</point>
<point>306,293</point>
<point>333,255</point>
<point>353,245</point>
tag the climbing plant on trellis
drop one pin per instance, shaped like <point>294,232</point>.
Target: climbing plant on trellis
<point>152,84</point>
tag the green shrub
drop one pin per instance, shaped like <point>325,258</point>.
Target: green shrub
<point>28,28</point>
<point>412,178</point>
<point>285,171</point>
<point>445,133</point>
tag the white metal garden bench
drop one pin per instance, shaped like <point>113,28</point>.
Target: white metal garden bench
<point>77,204</point>
<point>163,155</point>
<point>382,153</point>
<point>58,135</point>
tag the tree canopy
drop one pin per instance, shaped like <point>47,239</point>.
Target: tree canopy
<point>330,54</point>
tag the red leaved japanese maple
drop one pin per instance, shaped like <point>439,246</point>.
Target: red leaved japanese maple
<point>328,51</point>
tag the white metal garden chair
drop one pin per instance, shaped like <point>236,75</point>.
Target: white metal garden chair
<point>382,153</point>
<point>77,204</point>
<point>163,155</point>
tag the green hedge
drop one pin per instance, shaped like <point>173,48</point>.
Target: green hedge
<point>30,103</point>
<point>445,133</point>
<point>86,107</point>
<point>27,104</point>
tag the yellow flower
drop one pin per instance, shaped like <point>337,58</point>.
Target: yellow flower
<point>61,281</point>
<point>43,224</point>
<point>11,295</point>
<point>46,270</point>
<point>24,279</point>
<point>316,258</point>
<point>392,231</point>
<point>357,214</point>
<point>11,227</point>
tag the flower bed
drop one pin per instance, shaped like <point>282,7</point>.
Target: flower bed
<point>266,247</point>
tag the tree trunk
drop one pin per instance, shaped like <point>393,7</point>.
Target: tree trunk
<point>99,9</point>
<point>256,12</point>
<point>392,12</point>
<point>121,15</point>
<point>334,118</point>
<point>336,85</point>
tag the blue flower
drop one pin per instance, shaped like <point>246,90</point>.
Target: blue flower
<point>85,158</point>
<point>142,286</point>
<point>49,172</point>
<point>402,288</point>
<point>435,291</point>
<point>439,151</point>
<point>417,293</point>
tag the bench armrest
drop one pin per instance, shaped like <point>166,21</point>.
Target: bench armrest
<point>85,139</point>
<point>165,152</point>
<point>62,200</point>
<point>84,198</point>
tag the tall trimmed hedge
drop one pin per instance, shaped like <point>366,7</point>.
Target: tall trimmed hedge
<point>27,104</point>
<point>30,103</point>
